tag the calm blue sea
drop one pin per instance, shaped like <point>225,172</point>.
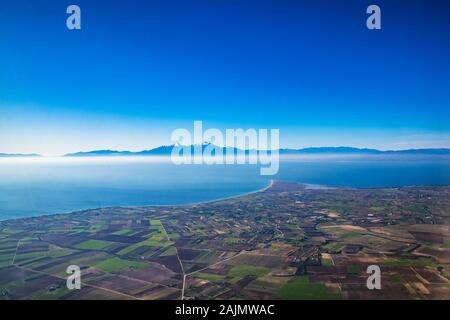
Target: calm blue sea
<point>30,187</point>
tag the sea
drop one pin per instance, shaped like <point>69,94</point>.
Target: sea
<point>41,186</point>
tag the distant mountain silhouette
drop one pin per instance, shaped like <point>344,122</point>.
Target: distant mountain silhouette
<point>18,155</point>
<point>159,151</point>
<point>100,153</point>
<point>350,150</point>
<point>330,150</point>
<point>163,150</point>
<point>166,150</point>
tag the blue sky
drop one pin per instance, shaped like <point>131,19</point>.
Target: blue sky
<point>140,69</point>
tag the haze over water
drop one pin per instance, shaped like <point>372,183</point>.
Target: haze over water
<point>38,186</point>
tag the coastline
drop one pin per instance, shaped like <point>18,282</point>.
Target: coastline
<point>268,186</point>
<point>271,183</point>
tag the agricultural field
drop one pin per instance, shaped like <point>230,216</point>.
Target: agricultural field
<point>289,241</point>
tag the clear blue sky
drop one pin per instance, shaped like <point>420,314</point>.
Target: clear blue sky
<point>139,69</point>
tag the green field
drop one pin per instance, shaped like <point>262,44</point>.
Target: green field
<point>52,293</point>
<point>155,222</point>
<point>247,270</point>
<point>302,289</point>
<point>170,251</point>
<point>233,240</point>
<point>333,247</point>
<point>94,245</point>
<point>123,232</point>
<point>354,269</point>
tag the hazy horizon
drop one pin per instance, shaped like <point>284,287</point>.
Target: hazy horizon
<point>150,148</point>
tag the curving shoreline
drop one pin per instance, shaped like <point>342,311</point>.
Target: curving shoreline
<point>271,183</point>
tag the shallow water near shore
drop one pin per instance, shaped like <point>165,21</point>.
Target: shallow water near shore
<point>32,187</point>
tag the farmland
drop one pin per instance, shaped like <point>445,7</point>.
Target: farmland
<point>289,241</point>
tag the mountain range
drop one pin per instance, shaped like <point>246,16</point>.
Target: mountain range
<point>18,155</point>
<point>166,151</point>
